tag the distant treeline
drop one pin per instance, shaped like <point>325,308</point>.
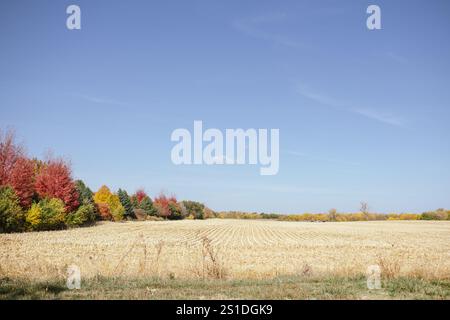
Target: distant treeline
<point>439,214</point>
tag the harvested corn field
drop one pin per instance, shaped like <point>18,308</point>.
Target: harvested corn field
<point>231,249</point>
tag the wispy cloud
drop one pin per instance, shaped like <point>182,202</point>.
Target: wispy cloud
<point>320,158</point>
<point>101,100</point>
<point>380,116</point>
<point>253,27</point>
<point>370,113</point>
<point>395,57</point>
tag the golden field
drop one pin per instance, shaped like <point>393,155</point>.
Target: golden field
<point>231,249</point>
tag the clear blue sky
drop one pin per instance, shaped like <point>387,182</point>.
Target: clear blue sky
<point>363,115</point>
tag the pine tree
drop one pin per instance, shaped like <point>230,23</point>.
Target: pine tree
<point>146,204</point>
<point>85,195</point>
<point>126,202</point>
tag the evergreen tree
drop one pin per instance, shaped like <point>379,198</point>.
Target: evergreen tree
<point>146,204</point>
<point>85,195</point>
<point>126,202</point>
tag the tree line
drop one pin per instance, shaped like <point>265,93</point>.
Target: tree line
<point>42,195</point>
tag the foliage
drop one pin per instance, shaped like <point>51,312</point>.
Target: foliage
<point>194,209</point>
<point>85,214</point>
<point>48,214</point>
<point>11,215</point>
<point>55,181</point>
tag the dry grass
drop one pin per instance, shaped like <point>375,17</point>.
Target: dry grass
<point>231,249</point>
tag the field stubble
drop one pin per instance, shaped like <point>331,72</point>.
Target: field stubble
<point>231,249</point>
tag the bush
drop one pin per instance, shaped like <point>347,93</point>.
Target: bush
<point>48,214</point>
<point>83,216</point>
<point>11,215</point>
<point>194,209</point>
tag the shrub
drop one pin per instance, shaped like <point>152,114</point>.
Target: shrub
<point>48,214</point>
<point>84,215</point>
<point>194,209</point>
<point>11,215</point>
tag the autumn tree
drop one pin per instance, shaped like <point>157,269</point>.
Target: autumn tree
<point>55,181</point>
<point>194,209</point>
<point>140,195</point>
<point>21,179</point>
<point>9,154</point>
<point>167,207</point>
<point>11,215</point>
<point>109,204</point>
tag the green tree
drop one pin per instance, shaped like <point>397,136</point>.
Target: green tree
<point>85,195</point>
<point>194,209</point>
<point>126,203</point>
<point>146,204</point>
<point>11,215</point>
<point>84,215</point>
<point>48,214</point>
<point>176,212</point>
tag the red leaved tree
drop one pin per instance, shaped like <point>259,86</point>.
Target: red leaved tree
<point>140,194</point>
<point>9,154</point>
<point>55,181</point>
<point>21,178</point>
<point>161,204</point>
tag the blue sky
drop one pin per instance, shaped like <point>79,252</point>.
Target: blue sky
<point>363,115</point>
